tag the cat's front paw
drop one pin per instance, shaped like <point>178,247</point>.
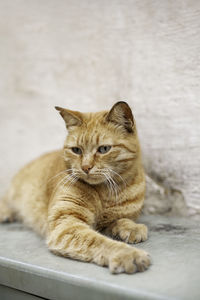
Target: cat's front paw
<point>129,261</point>
<point>128,231</point>
<point>134,235</point>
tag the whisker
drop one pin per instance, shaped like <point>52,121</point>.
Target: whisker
<point>113,185</point>
<point>109,184</point>
<point>60,183</point>
<point>59,174</point>
<point>69,179</point>
<point>122,179</point>
<point>69,183</point>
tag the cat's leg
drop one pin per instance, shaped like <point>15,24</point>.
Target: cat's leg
<point>70,235</point>
<point>6,213</point>
<point>128,231</point>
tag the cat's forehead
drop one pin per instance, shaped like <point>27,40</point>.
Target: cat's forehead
<point>95,131</point>
<point>87,137</point>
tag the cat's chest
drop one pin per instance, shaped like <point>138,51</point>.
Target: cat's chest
<point>114,212</point>
<point>124,204</point>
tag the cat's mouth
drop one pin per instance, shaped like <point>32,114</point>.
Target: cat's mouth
<point>95,176</point>
<point>93,179</point>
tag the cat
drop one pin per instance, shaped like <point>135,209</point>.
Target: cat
<point>95,183</point>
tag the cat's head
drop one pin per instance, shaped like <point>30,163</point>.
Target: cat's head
<point>100,147</point>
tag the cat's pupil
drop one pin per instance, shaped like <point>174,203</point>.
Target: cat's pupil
<point>104,149</point>
<point>77,150</point>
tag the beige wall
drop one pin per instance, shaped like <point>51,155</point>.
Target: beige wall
<point>87,54</point>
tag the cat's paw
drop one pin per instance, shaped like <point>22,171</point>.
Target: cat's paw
<point>134,235</point>
<point>129,261</point>
<point>129,232</point>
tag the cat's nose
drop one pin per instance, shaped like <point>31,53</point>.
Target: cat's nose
<point>86,168</point>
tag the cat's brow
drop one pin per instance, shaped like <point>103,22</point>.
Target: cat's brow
<point>69,147</point>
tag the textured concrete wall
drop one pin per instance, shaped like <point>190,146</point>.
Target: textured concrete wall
<point>86,55</point>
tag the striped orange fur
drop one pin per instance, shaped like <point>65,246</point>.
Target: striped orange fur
<point>95,183</point>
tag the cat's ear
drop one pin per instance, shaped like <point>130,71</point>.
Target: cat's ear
<point>71,118</point>
<point>121,114</point>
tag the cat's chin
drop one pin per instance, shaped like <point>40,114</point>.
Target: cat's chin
<point>93,181</point>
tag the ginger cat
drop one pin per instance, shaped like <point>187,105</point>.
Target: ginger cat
<point>96,182</point>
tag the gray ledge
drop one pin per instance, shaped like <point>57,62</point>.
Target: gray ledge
<point>174,244</point>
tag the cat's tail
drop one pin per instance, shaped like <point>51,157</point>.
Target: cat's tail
<point>6,213</point>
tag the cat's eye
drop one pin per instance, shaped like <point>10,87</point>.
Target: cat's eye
<point>104,149</point>
<point>77,150</point>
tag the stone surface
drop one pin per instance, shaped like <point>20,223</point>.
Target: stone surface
<point>86,55</point>
<point>7,293</point>
<point>174,243</point>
